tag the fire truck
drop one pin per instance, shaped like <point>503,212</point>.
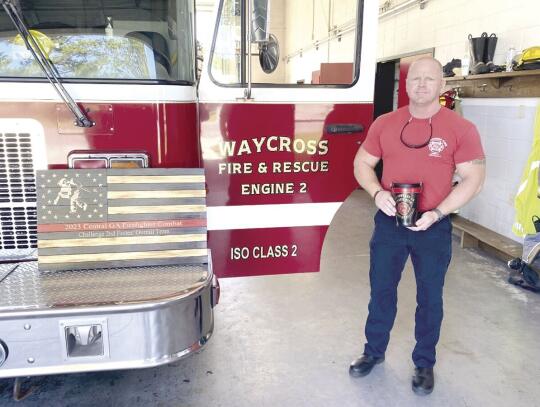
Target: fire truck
<point>274,116</point>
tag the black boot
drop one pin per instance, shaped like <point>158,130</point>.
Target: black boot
<point>477,48</point>
<point>490,52</point>
<point>362,366</point>
<point>423,381</point>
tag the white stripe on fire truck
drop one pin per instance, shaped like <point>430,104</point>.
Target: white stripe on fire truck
<point>270,216</point>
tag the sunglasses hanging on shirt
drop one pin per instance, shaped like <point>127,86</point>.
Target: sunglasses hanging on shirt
<point>409,145</point>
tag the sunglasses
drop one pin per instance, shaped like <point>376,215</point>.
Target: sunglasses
<point>422,145</point>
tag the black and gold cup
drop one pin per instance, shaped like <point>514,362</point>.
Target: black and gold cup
<point>406,197</point>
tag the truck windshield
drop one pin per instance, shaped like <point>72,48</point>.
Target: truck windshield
<point>112,40</point>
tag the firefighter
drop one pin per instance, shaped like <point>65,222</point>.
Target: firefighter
<point>69,189</point>
<point>419,143</point>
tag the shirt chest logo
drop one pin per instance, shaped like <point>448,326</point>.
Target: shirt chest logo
<point>436,147</point>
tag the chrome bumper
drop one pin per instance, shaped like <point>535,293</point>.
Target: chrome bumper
<point>67,322</point>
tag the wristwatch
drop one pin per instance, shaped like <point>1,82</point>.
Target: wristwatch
<point>439,214</point>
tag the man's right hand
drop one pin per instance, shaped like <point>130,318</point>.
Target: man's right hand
<point>364,171</point>
<point>386,203</point>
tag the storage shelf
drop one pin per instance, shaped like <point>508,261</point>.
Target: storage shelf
<point>498,84</point>
<point>513,74</point>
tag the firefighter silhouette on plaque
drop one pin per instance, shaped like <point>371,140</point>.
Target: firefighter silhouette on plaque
<point>71,190</point>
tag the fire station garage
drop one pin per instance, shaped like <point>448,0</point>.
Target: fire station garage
<point>269,202</point>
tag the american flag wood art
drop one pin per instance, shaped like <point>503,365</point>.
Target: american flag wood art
<point>120,218</point>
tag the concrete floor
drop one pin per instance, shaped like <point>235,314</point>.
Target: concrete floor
<point>288,340</point>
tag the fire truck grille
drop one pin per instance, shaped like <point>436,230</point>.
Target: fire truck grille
<point>19,228</point>
<point>18,217</point>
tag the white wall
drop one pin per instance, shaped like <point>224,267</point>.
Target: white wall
<point>445,25</point>
<point>507,129</point>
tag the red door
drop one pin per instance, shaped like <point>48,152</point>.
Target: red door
<point>279,163</point>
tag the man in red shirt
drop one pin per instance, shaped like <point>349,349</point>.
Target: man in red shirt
<point>419,143</point>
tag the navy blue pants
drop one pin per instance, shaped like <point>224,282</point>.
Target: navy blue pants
<point>430,252</point>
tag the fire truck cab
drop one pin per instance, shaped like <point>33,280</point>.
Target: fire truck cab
<point>274,116</point>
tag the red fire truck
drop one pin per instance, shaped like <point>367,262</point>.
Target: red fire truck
<point>274,118</point>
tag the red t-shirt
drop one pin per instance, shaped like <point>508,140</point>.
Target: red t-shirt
<point>455,140</point>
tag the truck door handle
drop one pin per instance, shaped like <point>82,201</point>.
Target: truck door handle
<point>344,128</point>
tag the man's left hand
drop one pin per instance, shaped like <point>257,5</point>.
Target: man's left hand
<point>427,219</point>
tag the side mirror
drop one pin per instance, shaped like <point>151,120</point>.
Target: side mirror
<point>269,54</point>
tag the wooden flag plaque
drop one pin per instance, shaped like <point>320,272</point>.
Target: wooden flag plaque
<point>120,218</point>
